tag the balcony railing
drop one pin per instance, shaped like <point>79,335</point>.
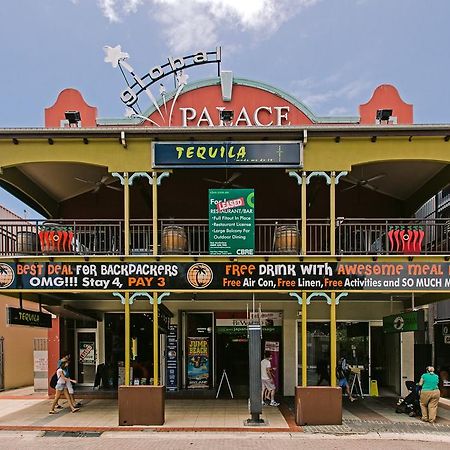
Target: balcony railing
<point>191,237</point>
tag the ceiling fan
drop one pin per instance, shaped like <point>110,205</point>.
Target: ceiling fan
<point>228,181</point>
<point>96,185</point>
<point>366,182</point>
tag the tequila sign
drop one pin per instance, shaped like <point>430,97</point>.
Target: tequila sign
<point>227,154</point>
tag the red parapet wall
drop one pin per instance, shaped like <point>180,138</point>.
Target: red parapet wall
<point>386,96</point>
<point>70,100</point>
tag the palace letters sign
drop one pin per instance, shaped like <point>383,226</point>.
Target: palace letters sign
<point>232,276</point>
<point>228,154</point>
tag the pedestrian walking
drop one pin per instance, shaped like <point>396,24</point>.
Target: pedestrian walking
<point>69,385</point>
<point>61,387</point>
<point>267,380</point>
<point>342,370</point>
<point>430,394</point>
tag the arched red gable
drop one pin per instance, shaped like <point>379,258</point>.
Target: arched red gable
<point>70,100</point>
<point>386,96</point>
<point>199,107</point>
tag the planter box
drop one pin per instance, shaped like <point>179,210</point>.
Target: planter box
<point>141,405</point>
<point>318,405</point>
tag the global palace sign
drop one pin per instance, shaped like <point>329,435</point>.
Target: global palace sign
<point>225,276</point>
<point>200,105</point>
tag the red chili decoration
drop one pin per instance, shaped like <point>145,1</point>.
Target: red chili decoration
<point>419,241</point>
<point>391,239</point>
<point>397,243</point>
<point>413,243</point>
<point>402,241</point>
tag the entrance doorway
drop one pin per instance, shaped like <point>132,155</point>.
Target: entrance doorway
<point>352,342</point>
<point>86,360</point>
<point>232,348</point>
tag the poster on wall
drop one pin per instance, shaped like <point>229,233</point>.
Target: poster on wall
<point>198,363</point>
<point>172,359</point>
<point>87,353</point>
<point>274,349</point>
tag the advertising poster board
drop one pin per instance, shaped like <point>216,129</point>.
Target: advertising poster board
<point>231,221</point>
<point>198,363</point>
<point>172,359</point>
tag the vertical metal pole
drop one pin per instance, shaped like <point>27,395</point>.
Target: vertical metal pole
<point>127,338</point>
<point>155,340</point>
<point>126,202</point>
<point>333,336</point>
<point>303,213</point>
<point>304,342</point>
<point>155,294</point>
<point>333,214</point>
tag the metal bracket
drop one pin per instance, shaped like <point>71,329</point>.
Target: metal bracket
<point>299,298</point>
<point>339,175</point>
<point>139,294</point>
<point>139,175</point>
<point>120,177</point>
<point>319,294</point>
<point>122,298</point>
<point>341,295</point>
<point>318,174</point>
<point>164,294</point>
<point>160,178</point>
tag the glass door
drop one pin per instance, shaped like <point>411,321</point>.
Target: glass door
<point>352,343</point>
<point>86,356</point>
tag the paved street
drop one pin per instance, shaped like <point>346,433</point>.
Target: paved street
<point>210,441</point>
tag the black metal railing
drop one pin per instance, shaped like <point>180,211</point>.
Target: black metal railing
<point>191,236</point>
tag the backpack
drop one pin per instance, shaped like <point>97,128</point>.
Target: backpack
<point>53,381</point>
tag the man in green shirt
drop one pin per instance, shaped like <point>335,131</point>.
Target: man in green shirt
<point>429,397</point>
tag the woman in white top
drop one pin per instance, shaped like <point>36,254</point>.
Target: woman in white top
<point>61,387</point>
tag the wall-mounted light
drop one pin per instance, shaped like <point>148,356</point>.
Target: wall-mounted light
<point>373,139</point>
<point>50,141</point>
<point>73,117</point>
<point>15,141</point>
<point>337,139</point>
<point>383,115</point>
<point>226,116</point>
<point>85,141</point>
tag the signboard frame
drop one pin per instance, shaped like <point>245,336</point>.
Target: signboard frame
<point>199,163</point>
<point>28,317</point>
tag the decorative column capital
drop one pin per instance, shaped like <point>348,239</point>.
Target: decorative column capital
<point>122,298</point>
<point>299,298</point>
<point>318,174</point>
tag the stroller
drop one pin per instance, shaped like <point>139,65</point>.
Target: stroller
<point>411,403</point>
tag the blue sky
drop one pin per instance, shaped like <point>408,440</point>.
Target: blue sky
<point>330,54</point>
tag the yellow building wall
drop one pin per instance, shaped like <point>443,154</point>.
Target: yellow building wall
<point>18,346</point>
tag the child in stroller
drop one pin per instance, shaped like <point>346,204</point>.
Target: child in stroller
<point>411,403</point>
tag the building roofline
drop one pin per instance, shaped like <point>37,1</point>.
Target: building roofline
<point>323,130</point>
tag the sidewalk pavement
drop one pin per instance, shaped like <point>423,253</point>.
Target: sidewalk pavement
<point>25,410</point>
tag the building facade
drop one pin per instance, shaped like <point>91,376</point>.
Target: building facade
<point>229,202</point>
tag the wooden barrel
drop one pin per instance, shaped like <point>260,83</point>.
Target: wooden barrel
<point>174,240</point>
<point>26,242</point>
<point>287,239</point>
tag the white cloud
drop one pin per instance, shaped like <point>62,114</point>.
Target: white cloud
<point>108,8</point>
<point>198,23</point>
